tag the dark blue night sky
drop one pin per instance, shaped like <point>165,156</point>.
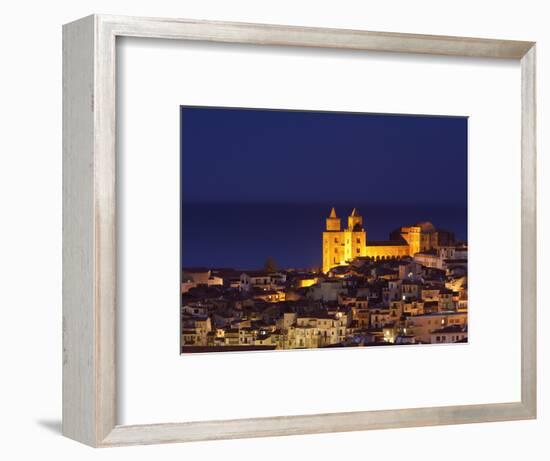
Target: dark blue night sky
<point>258,183</point>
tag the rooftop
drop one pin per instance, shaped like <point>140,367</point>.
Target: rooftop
<point>452,329</point>
<point>378,243</point>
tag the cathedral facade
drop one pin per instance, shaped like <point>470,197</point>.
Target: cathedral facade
<point>341,246</point>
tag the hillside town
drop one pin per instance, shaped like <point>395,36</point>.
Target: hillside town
<point>411,289</point>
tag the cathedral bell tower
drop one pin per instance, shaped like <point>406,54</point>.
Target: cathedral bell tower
<point>355,222</point>
<point>333,221</point>
<point>333,242</point>
<point>342,246</point>
<point>356,237</point>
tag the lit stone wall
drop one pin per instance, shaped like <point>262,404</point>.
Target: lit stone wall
<point>386,251</point>
<point>413,237</point>
<point>333,250</point>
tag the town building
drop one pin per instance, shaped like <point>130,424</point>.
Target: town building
<point>410,289</point>
<point>449,334</point>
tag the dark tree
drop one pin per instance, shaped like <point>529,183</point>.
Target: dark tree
<point>270,265</point>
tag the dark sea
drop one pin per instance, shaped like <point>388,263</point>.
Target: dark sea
<point>245,235</point>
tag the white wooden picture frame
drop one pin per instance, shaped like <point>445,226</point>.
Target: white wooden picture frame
<point>89,232</point>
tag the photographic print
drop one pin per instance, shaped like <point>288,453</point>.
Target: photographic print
<point>312,229</point>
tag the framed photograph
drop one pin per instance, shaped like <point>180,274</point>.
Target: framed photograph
<point>274,230</point>
<point>294,273</point>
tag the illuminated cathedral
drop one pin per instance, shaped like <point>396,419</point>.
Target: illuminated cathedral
<point>341,246</point>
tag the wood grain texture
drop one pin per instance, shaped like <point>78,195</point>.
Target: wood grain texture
<point>89,283</point>
<point>105,227</point>
<point>529,232</point>
<point>79,355</point>
<point>89,229</point>
<point>313,424</point>
<point>269,34</point>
